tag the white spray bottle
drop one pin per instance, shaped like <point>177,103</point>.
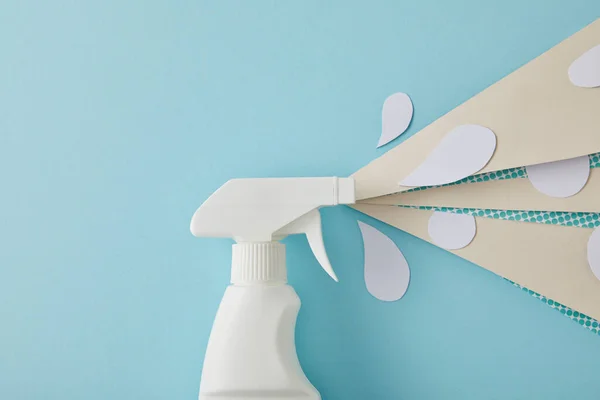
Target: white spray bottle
<point>251,352</point>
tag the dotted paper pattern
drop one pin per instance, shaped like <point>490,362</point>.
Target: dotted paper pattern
<point>582,319</point>
<point>510,173</point>
<point>578,219</point>
<point>582,220</point>
<point>488,176</point>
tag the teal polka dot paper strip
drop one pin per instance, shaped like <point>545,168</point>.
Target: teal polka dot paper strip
<point>578,219</point>
<point>582,220</point>
<point>582,319</point>
<point>594,160</point>
<point>511,173</point>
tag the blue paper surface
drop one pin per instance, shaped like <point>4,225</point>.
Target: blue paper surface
<point>117,119</point>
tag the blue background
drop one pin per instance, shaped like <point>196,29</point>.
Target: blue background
<point>117,119</point>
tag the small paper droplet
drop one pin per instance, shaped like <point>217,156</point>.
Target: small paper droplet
<point>593,252</point>
<point>395,117</point>
<point>387,274</point>
<point>462,152</point>
<point>585,71</point>
<point>560,178</point>
<point>451,231</point>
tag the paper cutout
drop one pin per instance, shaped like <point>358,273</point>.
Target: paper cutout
<point>451,231</point>
<point>593,252</point>
<point>462,152</point>
<point>395,117</point>
<point>387,274</point>
<point>508,194</point>
<point>560,178</point>
<point>529,111</point>
<point>486,176</point>
<point>548,259</point>
<point>562,218</point>
<point>585,71</point>
<point>575,316</point>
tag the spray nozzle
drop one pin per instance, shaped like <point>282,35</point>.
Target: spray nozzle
<point>268,209</point>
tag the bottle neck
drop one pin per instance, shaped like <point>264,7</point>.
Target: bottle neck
<point>258,264</point>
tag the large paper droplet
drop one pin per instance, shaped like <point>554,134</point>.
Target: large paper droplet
<point>386,271</point>
<point>560,178</point>
<point>593,252</point>
<point>462,152</point>
<point>395,117</point>
<point>451,231</point>
<point>585,71</point>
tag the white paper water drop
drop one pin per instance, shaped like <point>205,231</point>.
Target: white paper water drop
<point>462,152</point>
<point>560,178</point>
<point>396,115</point>
<point>387,274</point>
<point>593,252</point>
<point>451,231</point>
<point>585,71</point>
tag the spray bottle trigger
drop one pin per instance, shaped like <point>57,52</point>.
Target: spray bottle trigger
<point>310,224</point>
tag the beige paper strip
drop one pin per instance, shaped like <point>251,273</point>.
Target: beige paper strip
<point>548,259</point>
<point>537,114</point>
<point>508,194</point>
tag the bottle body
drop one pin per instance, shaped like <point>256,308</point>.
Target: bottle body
<point>251,352</point>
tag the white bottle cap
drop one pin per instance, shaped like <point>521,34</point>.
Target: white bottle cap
<point>256,263</point>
